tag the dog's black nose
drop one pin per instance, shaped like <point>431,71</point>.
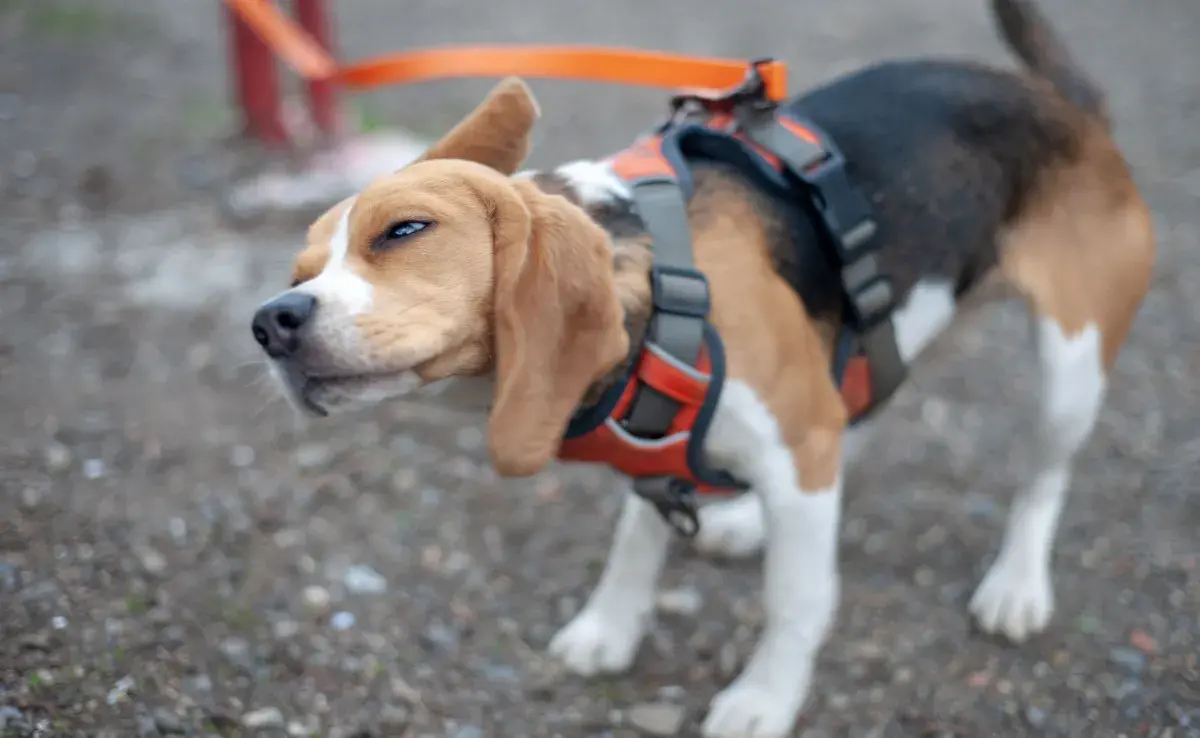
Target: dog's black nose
<point>278,323</point>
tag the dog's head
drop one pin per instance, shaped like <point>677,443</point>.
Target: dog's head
<point>449,268</point>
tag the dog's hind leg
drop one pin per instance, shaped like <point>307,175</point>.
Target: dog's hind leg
<point>1081,254</point>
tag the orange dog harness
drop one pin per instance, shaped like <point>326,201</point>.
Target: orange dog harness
<point>652,426</point>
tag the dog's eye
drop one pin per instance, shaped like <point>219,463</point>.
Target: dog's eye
<point>400,231</point>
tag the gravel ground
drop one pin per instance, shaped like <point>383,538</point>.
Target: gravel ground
<point>179,555</point>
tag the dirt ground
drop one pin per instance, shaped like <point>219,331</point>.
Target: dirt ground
<point>179,555</point>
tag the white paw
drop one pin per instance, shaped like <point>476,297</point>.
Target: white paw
<point>597,643</point>
<point>746,709</point>
<point>731,529</point>
<point>1013,600</point>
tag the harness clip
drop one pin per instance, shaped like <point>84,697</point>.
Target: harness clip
<point>675,500</point>
<point>750,92</point>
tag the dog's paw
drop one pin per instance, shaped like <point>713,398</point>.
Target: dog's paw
<point>732,529</point>
<point>746,709</point>
<point>598,643</point>
<point>1013,601</point>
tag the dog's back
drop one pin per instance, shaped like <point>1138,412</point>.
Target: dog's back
<point>950,152</point>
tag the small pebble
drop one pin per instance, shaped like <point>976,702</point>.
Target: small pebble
<point>57,457</point>
<point>1124,689</point>
<point>316,598</point>
<point>981,506</point>
<point>168,722</point>
<point>394,717</point>
<point>178,530</point>
<point>58,622</point>
<point>470,438</point>
<point>437,636</point>
<point>146,727</point>
<point>265,717</point>
<point>342,620</point>
<point>237,650</point>
<point>284,629</point>
<point>197,685</point>
<point>94,469</point>
<point>241,456</point>
<point>1143,641</point>
<point>120,690</point>
<point>152,561</point>
<point>656,718</point>
<point>313,455</point>
<point>9,715</point>
<point>361,579</point>
<point>31,497</point>
<point>1035,716</point>
<point>10,578</point>
<point>684,602</point>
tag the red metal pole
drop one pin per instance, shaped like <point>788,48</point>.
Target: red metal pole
<point>313,17</point>
<point>257,83</point>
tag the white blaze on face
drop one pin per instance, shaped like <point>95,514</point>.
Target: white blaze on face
<point>337,287</point>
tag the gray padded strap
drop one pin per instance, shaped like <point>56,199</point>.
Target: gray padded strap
<point>798,154</point>
<point>662,208</point>
<point>887,367</point>
<point>681,301</point>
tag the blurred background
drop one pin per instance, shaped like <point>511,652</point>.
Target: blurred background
<point>180,555</point>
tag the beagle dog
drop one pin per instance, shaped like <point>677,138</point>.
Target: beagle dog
<point>459,273</point>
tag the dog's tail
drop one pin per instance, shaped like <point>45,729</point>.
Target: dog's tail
<point>1033,39</point>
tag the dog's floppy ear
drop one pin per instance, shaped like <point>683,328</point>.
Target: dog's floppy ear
<point>496,133</point>
<point>559,325</point>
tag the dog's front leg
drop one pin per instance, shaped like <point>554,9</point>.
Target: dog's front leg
<point>801,496</point>
<point>604,636</point>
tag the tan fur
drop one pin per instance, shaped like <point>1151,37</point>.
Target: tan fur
<point>770,341</point>
<point>1082,252</point>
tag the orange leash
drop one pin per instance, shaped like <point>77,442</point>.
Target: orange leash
<point>596,63</point>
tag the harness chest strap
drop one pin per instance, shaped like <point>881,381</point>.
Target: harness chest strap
<point>665,406</point>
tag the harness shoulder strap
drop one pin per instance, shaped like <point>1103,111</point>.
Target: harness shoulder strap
<point>678,333</point>
<point>847,216</point>
<point>679,292</point>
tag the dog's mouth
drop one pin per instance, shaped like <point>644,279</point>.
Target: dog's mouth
<point>320,394</point>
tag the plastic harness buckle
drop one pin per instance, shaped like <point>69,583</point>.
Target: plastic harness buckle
<point>675,500</point>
